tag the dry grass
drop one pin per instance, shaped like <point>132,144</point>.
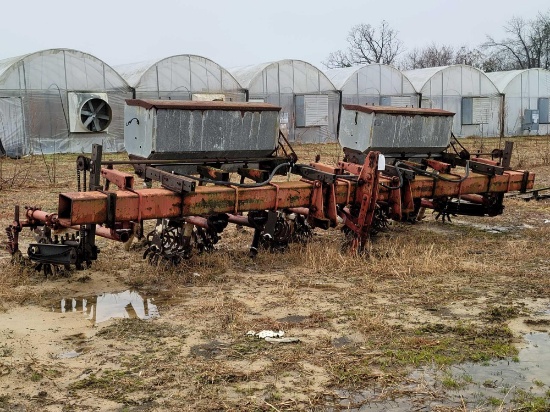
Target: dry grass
<point>363,321</point>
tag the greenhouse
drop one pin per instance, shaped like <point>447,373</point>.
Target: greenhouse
<point>182,77</point>
<point>60,101</point>
<point>309,100</point>
<point>374,84</point>
<point>463,90</point>
<point>526,100</point>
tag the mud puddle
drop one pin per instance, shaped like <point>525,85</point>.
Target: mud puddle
<point>505,380</point>
<point>494,229</point>
<point>105,306</point>
<point>500,383</point>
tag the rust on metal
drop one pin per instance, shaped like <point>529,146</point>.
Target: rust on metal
<point>213,173</point>
<point>441,167</point>
<point>121,179</point>
<point>257,175</point>
<point>196,105</point>
<point>407,111</point>
<point>326,168</point>
<point>91,207</point>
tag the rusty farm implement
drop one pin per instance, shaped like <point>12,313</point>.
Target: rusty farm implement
<point>218,163</point>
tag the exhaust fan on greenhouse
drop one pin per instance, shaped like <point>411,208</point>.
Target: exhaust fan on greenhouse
<point>89,112</point>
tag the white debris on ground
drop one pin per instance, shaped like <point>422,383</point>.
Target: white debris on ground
<point>272,336</point>
<point>266,334</point>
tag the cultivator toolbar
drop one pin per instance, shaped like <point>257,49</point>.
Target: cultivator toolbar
<point>192,209</point>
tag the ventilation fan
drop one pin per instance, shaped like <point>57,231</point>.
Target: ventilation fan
<point>89,112</point>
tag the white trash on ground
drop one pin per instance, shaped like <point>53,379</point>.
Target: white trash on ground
<point>272,336</point>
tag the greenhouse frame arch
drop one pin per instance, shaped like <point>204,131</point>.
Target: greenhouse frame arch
<point>60,101</point>
<point>182,77</point>
<point>463,90</point>
<point>374,84</point>
<point>309,101</point>
<point>526,97</point>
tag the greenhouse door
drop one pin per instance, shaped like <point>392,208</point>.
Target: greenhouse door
<point>12,132</point>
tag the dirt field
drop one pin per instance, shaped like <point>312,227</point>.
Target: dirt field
<point>379,332</point>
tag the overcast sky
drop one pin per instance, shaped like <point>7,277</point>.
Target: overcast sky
<point>241,32</point>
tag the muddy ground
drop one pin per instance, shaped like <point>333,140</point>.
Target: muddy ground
<point>378,332</point>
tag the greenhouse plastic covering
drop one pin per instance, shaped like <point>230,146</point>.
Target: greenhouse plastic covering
<point>182,77</point>
<point>527,89</point>
<point>280,83</point>
<point>370,83</point>
<point>446,87</point>
<point>34,102</point>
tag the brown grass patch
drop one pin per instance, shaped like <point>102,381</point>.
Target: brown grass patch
<point>402,304</point>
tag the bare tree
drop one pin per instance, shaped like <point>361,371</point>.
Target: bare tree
<point>527,44</point>
<point>436,55</point>
<point>470,57</point>
<point>430,56</point>
<point>367,45</point>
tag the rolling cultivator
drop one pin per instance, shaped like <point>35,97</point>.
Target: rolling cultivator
<point>220,163</point>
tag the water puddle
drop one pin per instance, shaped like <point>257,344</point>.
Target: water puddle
<point>341,342</point>
<point>496,384</point>
<point>105,306</point>
<point>494,229</point>
<point>70,354</point>
<point>530,372</point>
<point>208,350</point>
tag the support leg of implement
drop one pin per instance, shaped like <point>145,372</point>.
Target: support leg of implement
<point>54,252</point>
<point>358,217</point>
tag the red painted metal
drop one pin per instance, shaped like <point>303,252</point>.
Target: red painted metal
<point>366,195</point>
<point>328,169</point>
<point>198,105</point>
<point>473,198</point>
<point>37,217</point>
<point>197,221</point>
<point>407,111</point>
<point>238,220</point>
<point>121,179</point>
<point>395,202</point>
<point>349,193</point>
<point>439,166</point>
<point>91,207</point>
<point>485,161</point>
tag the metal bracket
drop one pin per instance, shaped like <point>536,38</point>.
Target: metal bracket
<point>176,183</point>
<point>111,209</point>
<point>257,175</point>
<point>406,173</point>
<point>210,172</point>
<point>313,174</point>
<point>485,169</point>
<point>507,155</point>
<point>524,182</point>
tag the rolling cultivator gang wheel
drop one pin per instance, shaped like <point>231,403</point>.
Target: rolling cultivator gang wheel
<point>193,194</point>
<point>167,243</point>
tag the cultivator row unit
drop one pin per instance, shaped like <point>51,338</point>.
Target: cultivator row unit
<point>220,163</point>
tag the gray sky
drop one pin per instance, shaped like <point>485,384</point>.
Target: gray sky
<point>241,32</point>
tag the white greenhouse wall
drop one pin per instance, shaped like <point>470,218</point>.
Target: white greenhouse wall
<point>180,77</point>
<point>523,92</point>
<point>281,83</point>
<point>42,82</point>
<point>445,87</point>
<point>374,84</point>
